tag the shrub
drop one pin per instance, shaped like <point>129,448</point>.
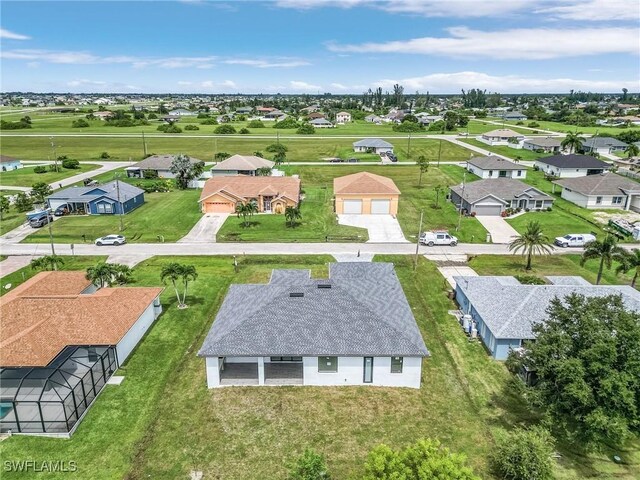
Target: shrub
<point>80,123</point>
<point>514,361</point>
<point>306,129</point>
<point>203,115</point>
<point>524,454</point>
<point>225,130</point>
<point>70,163</point>
<point>309,466</point>
<point>105,155</point>
<point>149,173</point>
<point>530,280</point>
<point>4,125</point>
<point>277,148</point>
<point>40,169</point>
<point>209,121</point>
<point>152,116</point>
<point>549,209</point>
<point>520,122</point>
<point>533,124</point>
<point>169,128</point>
<point>244,131</point>
<point>191,127</point>
<point>23,202</point>
<point>288,122</point>
<point>255,124</point>
<point>408,127</point>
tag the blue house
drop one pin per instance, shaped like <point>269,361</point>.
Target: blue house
<point>504,311</point>
<point>9,163</point>
<point>114,197</point>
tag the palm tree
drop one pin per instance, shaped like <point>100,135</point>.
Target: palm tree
<point>48,262</point>
<point>122,274</point>
<point>292,214</point>
<point>172,272</point>
<point>245,210</point>
<point>188,274</point>
<point>573,140</point>
<point>632,150</point>
<point>606,250</point>
<point>101,274</point>
<point>439,190</point>
<point>630,261</point>
<point>531,242</point>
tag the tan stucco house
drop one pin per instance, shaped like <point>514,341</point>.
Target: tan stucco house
<point>365,193</point>
<point>271,194</point>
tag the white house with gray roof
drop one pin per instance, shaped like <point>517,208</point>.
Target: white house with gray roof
<point>542,144</point>
<point>504,310</point>
<point>353,328</point>
<point>606,190</point>
<point>495,167</point>
<point>372,145</point>
<point>569,166</point>
<point>604,145</point>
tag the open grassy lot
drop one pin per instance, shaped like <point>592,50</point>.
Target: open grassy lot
<point>70,263</point>
<point>318,224</point>
<point>566,128</point>
<point>162,422</point>
<point>546,265</point>
<point>25,177</point>
<point>519,154</point>
<point>169,214</point>
<point>301,148</point>
<point>7,192</point>
<point>11,219</point>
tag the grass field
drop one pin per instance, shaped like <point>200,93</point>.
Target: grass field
<point>301,148</point>
<point>520,154</point>
<point>162,422</point>
<point>565,128</point>
<point>546,265</point>
<point>7,192</point>
<point>168,214</point>
<point>26,177</point>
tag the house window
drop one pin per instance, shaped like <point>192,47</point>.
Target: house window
<point>538,203</point>
<point>598,200</point>
<point>617,200</point>
<point>502,173</point>
<point>286,359</point>
<point>491,173</point>
<point>101,208</point>
<point>519,173</point>
<point>327,364</point>
<point>396,364</point>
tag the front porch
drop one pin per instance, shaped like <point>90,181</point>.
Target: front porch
<point>245,372</point>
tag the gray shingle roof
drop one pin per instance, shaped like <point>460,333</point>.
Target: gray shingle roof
<point>544,142</point>
<point>80,194</point>
<point>364,312</point>
<point>603,184</point>
<point>598,142</point>
<point>160,162</point>
<point>506,189</point>
<point>574,161</point>
<point>510,310</point>
<point>494,163</point>
<point>243,162</point>
<point>372,143</point>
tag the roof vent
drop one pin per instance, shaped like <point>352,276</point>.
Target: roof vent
<point>296,294</point>
<point>324,285</point>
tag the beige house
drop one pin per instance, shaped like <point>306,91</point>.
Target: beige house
<point>240,165</point>
<point>366,194</point>
<point>271,194</point>
<point>343,117</point>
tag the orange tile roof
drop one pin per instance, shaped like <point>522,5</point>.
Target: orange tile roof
<point>246,187</point>
<point>47,313</point>
<point>364,182</point>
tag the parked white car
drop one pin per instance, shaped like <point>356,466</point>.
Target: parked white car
<point>438,238</point>
<point>111,240</point>
<point>574,240</point>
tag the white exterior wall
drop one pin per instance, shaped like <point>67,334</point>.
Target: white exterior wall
<point>351,372</point>
<point>561,172</point>
<point>574,197</point>
<point>606,201</point>
<point>496,173</point>
<point>213,372</point>
<point>136,332</point>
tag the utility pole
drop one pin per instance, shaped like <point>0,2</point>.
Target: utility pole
<point>464,176</point>
<point>120,202</point>
<point>409,147</point>
<point>144,146</point>
<point>55,157</point>
<point>53,250</point>
<point>415,262</point>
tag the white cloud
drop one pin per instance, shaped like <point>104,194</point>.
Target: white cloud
<point>85,82</point>
<point>184,82</point>
<point>339,86</point>
<point>453,82</point>
<point>207,84</point>
<point>276,63</point>
<point>229,84</point>
<point>298,86</point>
<point>12,35</point>
<point>588,10</point>
<point>519,43</point>
<point>224,85</point>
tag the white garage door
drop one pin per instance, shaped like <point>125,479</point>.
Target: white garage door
<point>380,207</point>
<point>352,206</point>
<point>488,209</point>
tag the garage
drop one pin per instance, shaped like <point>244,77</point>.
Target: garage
<point>218,207</point>
<point>352,207</point>
<point>488,209</point>
<point>380,207</point>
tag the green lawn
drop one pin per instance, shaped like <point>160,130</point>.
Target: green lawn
<point>318,224</point>
<point>566,128</point>
<point>7,192</point>
<point>169,214</point>
<point>546,265</point>
<point>162,422</point>
<point>11,219</point>
<point>301,148</point>
<point>519,154</point>
<point>25,177</point>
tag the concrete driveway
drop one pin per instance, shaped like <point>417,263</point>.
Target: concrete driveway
<point>500,230</point>
<point>205,230</point>
<point>381,228</point>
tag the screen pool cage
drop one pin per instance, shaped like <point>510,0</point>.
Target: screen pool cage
<point>51,399</point>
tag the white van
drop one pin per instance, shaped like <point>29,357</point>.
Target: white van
<point>438,238</point>
<point>574,240</point>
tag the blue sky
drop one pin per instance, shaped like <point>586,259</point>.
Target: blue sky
<point>311,46</point>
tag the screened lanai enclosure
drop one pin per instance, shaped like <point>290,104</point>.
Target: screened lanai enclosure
<point>52,399</point>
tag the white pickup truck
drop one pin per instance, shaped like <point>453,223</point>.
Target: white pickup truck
<point>574,240</point>
<point>438,238</point>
